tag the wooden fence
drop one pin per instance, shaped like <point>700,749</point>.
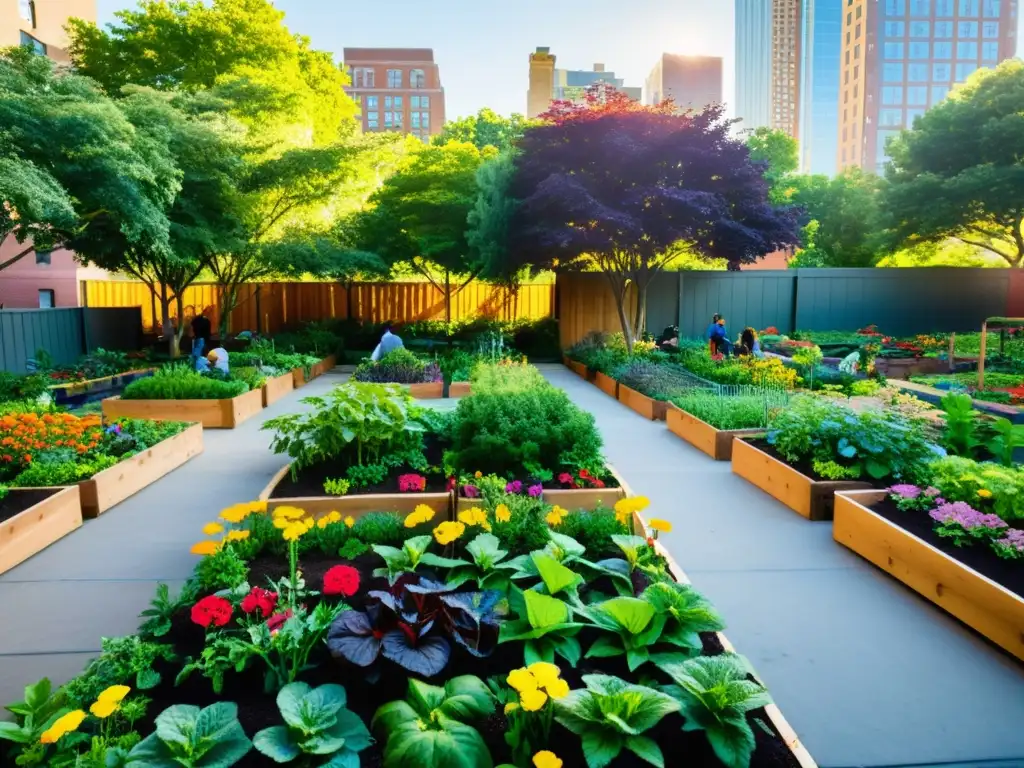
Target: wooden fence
<point>271,307</point>
<point>65,334</point>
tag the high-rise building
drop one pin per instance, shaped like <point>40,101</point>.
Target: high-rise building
<point>753,63</point>
<point>548,84</point>
<point>40,23</point>
<point>397,89</point>
<point>900,57</point>
<point>542,82</point>
<point>785,70</point>
<point>693,82</point>
<point>821,32</point>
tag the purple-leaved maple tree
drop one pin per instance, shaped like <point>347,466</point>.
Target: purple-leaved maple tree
<point>628,189</point>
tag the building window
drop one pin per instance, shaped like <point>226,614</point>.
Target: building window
<point>414,102</point>
<point>895,7</point>
<point>417,78</point>
<point>919,50</point>
<point>892,94</point>
<point>394,78</point>
<point>398,102</point>
<point>990,29</point>
<point>968,7</point>
<point>47,300</point>
<point>387,120</point>
<point>920,29</point>
<point>42,257</point>
<point>363,77</point>
<point>894,50</point>
<point>373,119</point>
<point>990,9</point>
<point>894,29</point>
<point>917,73</point>
<point>967,50</point>
<point>414,120</point>
<point>892,73</point>
<point>37,46</point>
<point>856,54</point>
<point>424,120</point>
<point>387,102</point>
<point>920,7</point>
<point>860,11</point>
<point>990,51</point>
<point>939,92</point>
<point>967,29</point>
<point>965,70</point>
<point>856,31</point>
<point>912,115</point>
<point>399,119</point>
<point>944,8</point>
<point>890,117</point>
<point>917,96</point>
<point>357,98</point>
<point>942,73</point>
<point>943,29</point>
<point>27,11</point>
<point>425,102</point>
<point>943,51</point>
<point>371,102</point>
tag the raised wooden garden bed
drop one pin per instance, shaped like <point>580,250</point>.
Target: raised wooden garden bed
<point>226,414</point>
<point>356,504</point>
<point>578,368</point>
<point>806,496</point>
<point>934,396</point>
<point>64,392</point>
<point>325,365</point>
<point>276,388</point>
<point>430,390</point>
<point>571,499</point>
<point>648,407</point>
<point>299,377</point>
<point>45,515</point>
<point>460,389</point>
<point>977,601</point>
<point>716,443</point>
<point>606,384</point>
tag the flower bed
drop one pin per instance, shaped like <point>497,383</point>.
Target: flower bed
<point>32,519</point>
<point>583,491</point>
<point>971,582</point>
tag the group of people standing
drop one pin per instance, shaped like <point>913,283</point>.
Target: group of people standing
<point>719,343</point>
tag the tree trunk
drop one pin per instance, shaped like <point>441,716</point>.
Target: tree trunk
<point>165,322</point>
<point>179,302</point>
<point>447,300</point>
<point>619,291</point>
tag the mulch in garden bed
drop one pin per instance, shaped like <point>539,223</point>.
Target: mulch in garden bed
<point>978,557</point>
<point>18,501</point>
<point>258,710</point>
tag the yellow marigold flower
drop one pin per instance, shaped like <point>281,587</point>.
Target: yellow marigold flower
<point>257,507</point>
<point>473,516</point>
<point>478,474</point>
<point>511,707</point>
<point>282,522</point>
<point>329,519</point>
<point>114,693</point>
<point>558,689</point>
<point>553,517</point>
<point>985,493</point>
<point>205,548</point>
<point>289,513</point>
<point>350,521</point>
<point>546,759</point>
<point>521,680</point>
<point>622,517</point>
<point>236,514</point>
<point>309,522</point>
<point>544,673</point>
<point>422,514</point>
<point>531,701</point>
<point>102,709</point>
<point>502,513</point>
<point>212,529</point>
<point>447,532</point>
<point>662,526</point>
<point>63,725</point>
<point>238,535</point>
<point>294,531</point>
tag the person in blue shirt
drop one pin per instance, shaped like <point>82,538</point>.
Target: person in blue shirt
<point>718,336</point>
<point>389,342</point>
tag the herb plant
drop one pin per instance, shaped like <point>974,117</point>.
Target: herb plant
<point>190,737</point>
<point>962,434</point>
<point>182,382</point>
<point>1006,438</point>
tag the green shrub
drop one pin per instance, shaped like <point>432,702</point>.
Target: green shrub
<point>224,569</point>
<point>594,531</point>
<point>14,387</point>
<point>526,529</point>
<point>493,378</point>
<point>181,382</point>
<point>530,433</point>
<point>387,528</point>
<point>744,411</point>
<point>61,470</point>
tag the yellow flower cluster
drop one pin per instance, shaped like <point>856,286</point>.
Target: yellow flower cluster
<point>546,759</point>
<point>535,684</point>
<point>334,517</point>
<point>473,517</point>
<point>556,515</point>
<point>662,526</point>
<point>625,508</point>
<point>447,532</point>
<point>422,514</point>
<point>292,522</point>
<point>105,705</point>
<point>109,701</point>
<point>239,512</point>
<point>985,493</point>
<point>502,513</point>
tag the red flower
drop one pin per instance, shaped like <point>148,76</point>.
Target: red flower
<point>584,473</point>
<point>411,482</point>
<point>650,541</point>
<point>277,621</point>
<point>451,483</point>
<point>598,483</point>
<point>565,478</point>
<point>341,580</point>
<point>211,610</point>
<point>260,599</point>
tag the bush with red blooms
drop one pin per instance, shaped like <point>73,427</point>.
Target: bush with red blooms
<point>583,480</point>
<point>211,610</point>
<point>259,599</point>
<point>277,621</point>
<point>412,483</point>
<point>341,580</point>
<point>771,330</point>
<point>870,330</point>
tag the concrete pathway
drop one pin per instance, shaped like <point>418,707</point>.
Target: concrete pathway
<point>867,672</point>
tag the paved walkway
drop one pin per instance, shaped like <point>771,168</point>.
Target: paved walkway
<point>867,672</point>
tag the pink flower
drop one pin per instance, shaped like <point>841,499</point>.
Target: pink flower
<point>470,491</point>
<point>411,483</point>
<point>565,478</point>
<point>535,490</point>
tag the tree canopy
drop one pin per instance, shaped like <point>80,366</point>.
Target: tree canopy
<point>960,171</point>
<point>486,129</point>
<point>780,153</point>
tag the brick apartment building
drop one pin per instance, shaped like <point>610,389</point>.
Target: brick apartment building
<point>397,89</point>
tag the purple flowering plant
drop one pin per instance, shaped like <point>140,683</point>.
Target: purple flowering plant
<point>1010,546</point>
<point>911,498</point>
<point>535,490</point>
<point>963,524</point>
<point>516,486</point>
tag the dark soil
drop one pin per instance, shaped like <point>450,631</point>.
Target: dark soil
<point>978,557</point>
<point>804,465</point>
<point>258,709</point>
<point>310,482</point>
<point>17,501</point>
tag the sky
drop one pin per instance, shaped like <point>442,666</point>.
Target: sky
<point>483,47</point>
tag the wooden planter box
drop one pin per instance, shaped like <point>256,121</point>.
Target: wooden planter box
<point>110,487</point>
<point>648,407</point>
<point>606,384</point>
<point>716,443</point>
<point>226,414</point>
<point>431,390</point>
<point>578,368</point>
<point>358,505</point>
<point>299,377</point>
<point>276,388</point>
<point>810,498</point>
<point>37,527</point>
<point>460,389</point>
<point>977,601</point>
<point>325,365</point>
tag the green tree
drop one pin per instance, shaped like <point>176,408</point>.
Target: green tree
<point>843,215</point>
<point>71,162</point>
<point>780,152</point>
<point>418,218</point>
<point>488,220</point>
<point>486,129</point>
<point>960,171</point>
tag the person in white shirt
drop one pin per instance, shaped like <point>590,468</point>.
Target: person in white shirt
<point>389,342</point>
<point>218,358</point>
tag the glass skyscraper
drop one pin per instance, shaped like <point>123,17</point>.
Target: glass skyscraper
<point>821,36</point>
<point>753,62</point>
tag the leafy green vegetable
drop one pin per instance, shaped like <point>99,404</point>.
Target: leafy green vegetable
<point>546,624</point>
<point>189,737</point>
